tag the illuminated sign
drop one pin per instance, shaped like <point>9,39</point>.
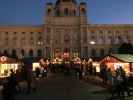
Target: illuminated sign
<point>3,58</point>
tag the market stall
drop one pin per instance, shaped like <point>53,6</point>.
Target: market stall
<point>76,62</point>
<point>6,64</point>
<point>57,61</point>
<point>115,61</point>
<point>40,63</point>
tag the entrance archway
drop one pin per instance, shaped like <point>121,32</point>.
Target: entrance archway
<point>5,52</point>
<point>14,53</point>
<point>31,53</point>
<point>66,54</point>
<point>39,53</point>
<point>57,53</point>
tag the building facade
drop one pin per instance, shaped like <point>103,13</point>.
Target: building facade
<point>65,33</point>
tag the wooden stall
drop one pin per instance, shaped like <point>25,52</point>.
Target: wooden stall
<point>6,64</point>
<point>115,61</point>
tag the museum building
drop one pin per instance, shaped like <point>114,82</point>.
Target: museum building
<point>66,33</point>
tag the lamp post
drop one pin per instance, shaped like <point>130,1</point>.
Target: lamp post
<point>40,44</point>
<point>92,42</point>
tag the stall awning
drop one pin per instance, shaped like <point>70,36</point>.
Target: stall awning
<point>126,58</point>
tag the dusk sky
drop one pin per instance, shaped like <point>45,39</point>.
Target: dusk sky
<point>31,12</point>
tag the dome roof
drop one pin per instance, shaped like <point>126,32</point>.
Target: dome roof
<point>59,1</point>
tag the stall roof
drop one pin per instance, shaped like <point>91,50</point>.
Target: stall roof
<point>123,57</point>
<point>6,59</point>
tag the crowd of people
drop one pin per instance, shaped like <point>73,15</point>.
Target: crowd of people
<point>12,85</point>
<point>117,81</point>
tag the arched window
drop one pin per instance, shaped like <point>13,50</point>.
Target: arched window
<point>74,12</point>
<point>102,52</point>
<point>48,52</point>
<point>14,53</point>
<point>39,53</point>
<point>101,40</point>
<point>22,52</point>
<point>125,39</point>
<point>93,52</point>
<point>83,11</point>
<point>85,52</point>
<point>5,52</point>
<point>120,39</point>
<point>31,53</point>
<point>66,12</point>
<point>110,51</point>
<point>66,38</point>
<point>57,13</point>
<point>66,50</point>
<point>49,12</point>
<point>109,40</point>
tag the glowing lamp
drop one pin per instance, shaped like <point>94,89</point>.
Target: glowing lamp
<point>92,42</point>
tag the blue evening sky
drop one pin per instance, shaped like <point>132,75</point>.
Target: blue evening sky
<point>31,12</point>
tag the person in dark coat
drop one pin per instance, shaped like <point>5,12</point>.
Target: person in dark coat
<point>7,93</point>
<point>37,71</point>
<point>125,84</point>
<point>9,87</point>
<point>12,81</point>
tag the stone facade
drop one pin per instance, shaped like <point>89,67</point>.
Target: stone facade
<point>65,31</point>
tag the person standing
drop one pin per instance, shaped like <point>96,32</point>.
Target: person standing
<point>9,88</point>
<point>45,71</point>
<point>103,73</point>
<point>42,71</point>
<point>109,76</point>
<point>7,93</point>
<point>37,71</point>
<point>125,84</point>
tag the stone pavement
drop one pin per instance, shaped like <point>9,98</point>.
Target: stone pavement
<point>60,87</point>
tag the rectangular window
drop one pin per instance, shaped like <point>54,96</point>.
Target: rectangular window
<point>85,52</point>
<point>85,37</point>
<point>48,39</point>
<point>48,52</point>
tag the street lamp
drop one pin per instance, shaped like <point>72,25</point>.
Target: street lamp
<point>92,42</point>
<point>40,43</point>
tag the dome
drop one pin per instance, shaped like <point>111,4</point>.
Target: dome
<point>59,1</point>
